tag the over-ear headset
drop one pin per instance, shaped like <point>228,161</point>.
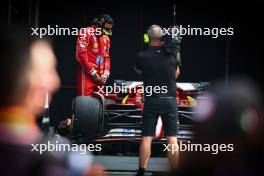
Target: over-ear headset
<point>146,37</point>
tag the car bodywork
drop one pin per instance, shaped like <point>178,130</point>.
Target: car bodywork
<point>120,114</point>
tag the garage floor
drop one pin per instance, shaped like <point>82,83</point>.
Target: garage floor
<point>127,165</point>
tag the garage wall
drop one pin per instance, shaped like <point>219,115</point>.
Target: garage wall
<point>203,58</point>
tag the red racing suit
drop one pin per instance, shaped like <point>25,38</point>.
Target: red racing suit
<point>92,53</point>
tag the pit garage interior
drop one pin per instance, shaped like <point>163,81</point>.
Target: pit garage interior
<point>204,59</point>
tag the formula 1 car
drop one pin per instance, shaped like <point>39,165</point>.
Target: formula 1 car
<point>117,116</point>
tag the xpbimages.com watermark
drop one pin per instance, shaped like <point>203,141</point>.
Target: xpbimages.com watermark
<point>146,90</point>
<point>188,30</point>
<point>192,147</point>
<point>60,147</point>
<point>56,30</point>
<point>64,31</point>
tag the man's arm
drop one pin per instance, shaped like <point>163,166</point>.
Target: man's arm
<point>106,73</point>
<point>177,73</point>
<point>82,56</point>
<point>137,66</point>
<point>106,56</point>
<point>138,71</point>
<point>107,66</point>
<point>81,50</point>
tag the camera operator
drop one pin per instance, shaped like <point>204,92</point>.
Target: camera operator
<point>158,67</point>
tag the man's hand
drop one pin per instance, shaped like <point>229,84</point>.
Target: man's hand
<point>104,78</point>
<point>65,123</point>
<point>96,78</point>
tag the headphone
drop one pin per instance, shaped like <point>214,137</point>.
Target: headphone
<point>146,37</point>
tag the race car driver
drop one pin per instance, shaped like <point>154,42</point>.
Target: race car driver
<point>92,53</point>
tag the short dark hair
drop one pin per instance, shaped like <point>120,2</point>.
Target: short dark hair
<point>14,64</point>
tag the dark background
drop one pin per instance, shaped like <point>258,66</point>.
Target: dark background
<point>203,58</point>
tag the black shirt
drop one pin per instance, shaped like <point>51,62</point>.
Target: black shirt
<point>158,69</point>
